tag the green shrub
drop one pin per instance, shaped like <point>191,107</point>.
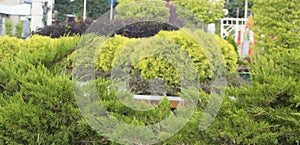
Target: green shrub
<point>48,51</point>
<point>230,54</point>
<point>272,32</point>
<point>232,42</point>
<point>265,112</point>
<point>272,99</point>
<point>194,51</point>
<point>19,29</point>
<point>120,49</point>
<point>40,115</point>
<point>275,71</point>
<point>9,27</point>
<point>10,47</point>
<point>110,49</point>
<point>37,102</point>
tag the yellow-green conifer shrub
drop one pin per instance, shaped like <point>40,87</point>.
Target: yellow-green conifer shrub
<point>36,42</point>
<point>46,50</point>
<point>230,55</point>
<point>37,102</point>
<point>194,51</point>
<point>109,50</point>
<point>152,57</point>
<point>149,56</point>
<point>9,47</point>
<point>203,55</point>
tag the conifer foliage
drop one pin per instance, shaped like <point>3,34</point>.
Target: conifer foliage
<point>37,104</point>
<point>37,101</point>
<point>277,23</point>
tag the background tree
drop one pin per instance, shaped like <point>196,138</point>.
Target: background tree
<point>193,11</point>
<point>207,11</point>
<point>234,5</point>
<point>63,7</point>
<point>142,9</point>
<point>95,8</point>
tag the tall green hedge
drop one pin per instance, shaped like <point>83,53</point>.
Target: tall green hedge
<point>19,29</point>
<point>9,25</point>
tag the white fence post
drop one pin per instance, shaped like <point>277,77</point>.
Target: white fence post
<point>229,25</point>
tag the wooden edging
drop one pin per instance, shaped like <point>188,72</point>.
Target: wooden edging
<point>174,101</point>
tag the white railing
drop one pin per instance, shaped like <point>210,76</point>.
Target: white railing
<point>231,26</point>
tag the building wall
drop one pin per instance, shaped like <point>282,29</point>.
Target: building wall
<point>36,15</point>
<point>15,18</point>
<point>36,12</point>
<point>10,2</point>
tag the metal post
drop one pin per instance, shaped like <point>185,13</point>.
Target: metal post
<point>222,28</point>
<point>84,11</point>
<point>111,9</point>
<point>237,25</point>
<point>246,9</point>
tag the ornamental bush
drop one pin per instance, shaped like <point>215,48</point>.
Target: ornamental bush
<point>9,47</point>
<point>145,29</point>
<point>38,106</point>
<point>9,25</point>
<point>41,49</point>
<point>60,30</point>
<point>19,29</point>
<point>266,112</point>
<point>37,103</point>
<point>203,56</point>
<point>272,101</point>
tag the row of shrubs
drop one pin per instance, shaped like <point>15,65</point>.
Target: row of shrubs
<point>38,106</point>
<point>135,30</point>
<point>32,69</point>
<point>9,27</point>
<point>61,30</point>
